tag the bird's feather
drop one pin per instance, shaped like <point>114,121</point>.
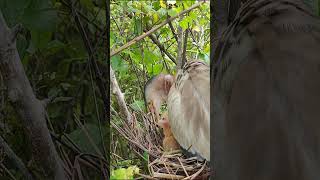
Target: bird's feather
<point>267,94</point>
<point>189,108</point>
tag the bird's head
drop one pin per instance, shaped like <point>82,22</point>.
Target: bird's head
<point>156,92</point>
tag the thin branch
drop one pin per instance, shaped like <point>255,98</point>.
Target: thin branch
<point>180,48</point>
<point>84,17</point>
<point>165,63</point>
<point>100,82</point>
<point>185,40</point>
<point>173,31</point>
<point>161,47</point>
<point>137,39</point>
<point>7,171</point>
<point>120,97</point>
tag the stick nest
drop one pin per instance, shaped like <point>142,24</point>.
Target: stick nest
<point>145,136</point>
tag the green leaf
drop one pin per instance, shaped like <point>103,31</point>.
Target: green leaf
<point>189,3</point>
<point>40,15</point>
<point>13,10</point>
<point>112,39</point>
<point>157,68</point>
<point>118,64</point>
<point>165,30</point>
<point>183,24</point>
<point>124,174</point>
<point>172,12</point>
<point>162,11</point>
<point>155,17</point>
<point>53,92</point>
<point>80,138</point>
<point>87,4</point>
<point>149,57</point>
<point>137,26</point>
<point>22,44</point>
<point>54,46</point>
<point>136,56</point>
<point>137,105</point>
<point>193,15</point>
<point>203,21</point>
<point>156,5</point>
<point>146,156</point>
<point>40,39</point>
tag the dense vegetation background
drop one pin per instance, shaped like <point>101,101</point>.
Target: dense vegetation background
<point>60,43</point>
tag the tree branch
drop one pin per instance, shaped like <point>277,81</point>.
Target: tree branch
<point>120,98</point>
<point>161,47</point>
<point>184,52</point>
<point>100,81</point>
<point>173,31</point>
<point>28,107</point>
<point>180,48</point>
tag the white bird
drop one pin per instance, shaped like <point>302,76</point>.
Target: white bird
<point>188,104</point>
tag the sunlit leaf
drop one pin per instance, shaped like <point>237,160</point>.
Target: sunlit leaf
<point>163,4</point>
<point>172,12</point>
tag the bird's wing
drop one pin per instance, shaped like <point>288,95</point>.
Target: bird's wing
<point>189,108</point>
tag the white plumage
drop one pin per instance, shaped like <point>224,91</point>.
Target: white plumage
<point>189,107</point>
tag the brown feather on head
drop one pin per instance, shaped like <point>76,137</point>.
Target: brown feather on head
<point>168,82</point>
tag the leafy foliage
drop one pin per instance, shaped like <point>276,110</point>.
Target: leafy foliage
<point>56,62</point>
<point>123,173</point>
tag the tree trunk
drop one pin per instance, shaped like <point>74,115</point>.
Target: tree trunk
<point>27,106</point>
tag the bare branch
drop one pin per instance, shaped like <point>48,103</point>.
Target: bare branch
<point>161,47</point>
<point>185,40</point>
<point>173,31</point>
<point>120,97</point>
<point>99,80</point>
<point>180,48</point>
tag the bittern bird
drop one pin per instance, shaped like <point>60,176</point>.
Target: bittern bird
<point>188,106</point>
<point>266,99</point>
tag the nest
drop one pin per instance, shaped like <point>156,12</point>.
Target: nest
<point>145,136</point>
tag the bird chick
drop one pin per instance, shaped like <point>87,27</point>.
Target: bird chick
<point>169,142</point>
